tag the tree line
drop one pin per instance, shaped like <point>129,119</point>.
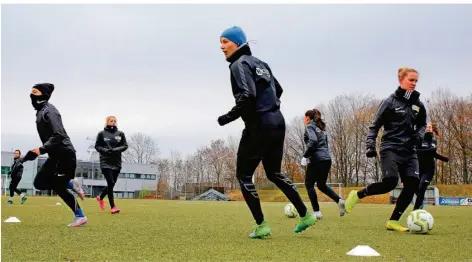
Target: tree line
<point>348,118</point>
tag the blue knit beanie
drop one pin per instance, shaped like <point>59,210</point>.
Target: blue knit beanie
<point>235,34</point>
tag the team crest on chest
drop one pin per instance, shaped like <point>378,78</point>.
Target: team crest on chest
<point>415,108</point>
<point>118,138</point>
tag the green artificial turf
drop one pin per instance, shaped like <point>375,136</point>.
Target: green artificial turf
<point>152,230</point>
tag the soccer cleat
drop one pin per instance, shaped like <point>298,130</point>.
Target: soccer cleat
<point>305,222</point>
<point>351,201</point>
<point>395,225</point>
<point>23,199</point>
<point>342,207</point>
<point>9,202</point>
<point>261,231</point>
<point>78,189</point>
<point>78,221</point>
<point>115,210</point>
<point>318,215</point>
<point>101,203</point>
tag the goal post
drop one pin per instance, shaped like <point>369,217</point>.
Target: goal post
<point>4,184</point>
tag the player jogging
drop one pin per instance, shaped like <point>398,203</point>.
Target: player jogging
<point>16,172</point>
<point>403,117</point>
<point>319,161</point>
<point>58,172</point>
<point>257,95</point>
<point>427,154</point>
<point>110,144</point>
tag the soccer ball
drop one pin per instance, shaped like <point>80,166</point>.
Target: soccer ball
<point>420,221</point>
<point>290,211</point>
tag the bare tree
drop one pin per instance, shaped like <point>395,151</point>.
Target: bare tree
<point>229,161</point>
<point>142,149</point>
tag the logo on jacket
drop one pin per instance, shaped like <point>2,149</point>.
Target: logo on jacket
<point>416,110</point>
<point>118,138</point>
<point>261,72</point>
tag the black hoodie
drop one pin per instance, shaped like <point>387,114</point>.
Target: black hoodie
<point>110,144</point>
<point>403,117</point>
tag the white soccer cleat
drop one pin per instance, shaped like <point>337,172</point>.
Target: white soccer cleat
<point>342,207</point>
<point>318,215</point>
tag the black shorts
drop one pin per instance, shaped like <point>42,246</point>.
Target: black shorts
<point>399,163</point>
<point>56,172</point>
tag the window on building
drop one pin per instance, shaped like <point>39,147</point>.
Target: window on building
<point>131,175</point>
<point>153,177</point>
<point>137,176</point>
<point>121,175</point>
<point>99,175</point>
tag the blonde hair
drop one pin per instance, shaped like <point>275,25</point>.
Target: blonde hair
<point>403,71</point>
<point>108,118</point>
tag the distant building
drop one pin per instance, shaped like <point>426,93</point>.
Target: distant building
<point>132,179</point>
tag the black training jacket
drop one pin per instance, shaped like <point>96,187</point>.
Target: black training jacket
<point>316,142</point>
<point>17,168</point>
<point>427,154</point>
<point>110,144</point>
<point>51,132</point>
<point>403,117</point>
<point>254,87</point>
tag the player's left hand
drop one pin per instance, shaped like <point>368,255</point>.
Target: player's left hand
<point>36,151</point>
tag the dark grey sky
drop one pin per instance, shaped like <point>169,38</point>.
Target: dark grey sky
<point>159,68</point>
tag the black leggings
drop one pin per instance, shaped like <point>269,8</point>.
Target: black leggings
<point>266,146</point>
<point>14,185</point>
<point>424,183</point>
<point>111,176</point>
<point>318,171</point>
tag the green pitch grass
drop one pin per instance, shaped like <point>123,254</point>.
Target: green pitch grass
<point>152,230</point>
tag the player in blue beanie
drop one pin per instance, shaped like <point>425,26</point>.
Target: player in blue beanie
<point>257,93</point>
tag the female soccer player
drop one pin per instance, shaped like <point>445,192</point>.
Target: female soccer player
<point>319,161</point>
<point>16,172</point>
<point>257,94</point>
<point>403,117</point>
<point>110,144</point>
<point>427,154</point>
<point>58,172</point>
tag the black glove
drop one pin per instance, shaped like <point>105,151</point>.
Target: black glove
<point>371,152</point>
<point>446,159</point>
<point>30,156</point>
<point>222,120</point>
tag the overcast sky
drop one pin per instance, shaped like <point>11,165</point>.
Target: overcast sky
<point>160,70</point>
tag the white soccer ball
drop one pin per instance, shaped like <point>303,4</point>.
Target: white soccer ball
<point>420,221</point>
<point>290,211</point>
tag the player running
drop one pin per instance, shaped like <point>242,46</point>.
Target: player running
<point>427,154</point>
<point>257,95</point>
<point>110,144</point>
<point>319,161</point>
<point>58,172</point>
<point>403,117</point>
<point>16,172</point>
